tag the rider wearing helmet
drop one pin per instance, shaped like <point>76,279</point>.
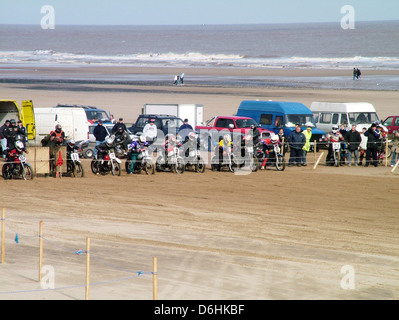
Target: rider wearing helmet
<point>57,136</point>
<point>13,152</point>
<point>191,143</point>
<point>222,147</point>
<point>134,151</point>
<point>71,146</point>
<point>268,146</point>
<point>103,148</point>
<point>333,136</point>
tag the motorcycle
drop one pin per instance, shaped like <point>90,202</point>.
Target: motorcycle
<point>248,158</point>
<point>110,163</point>
<point>194,160</point>
<point>143,162</point>
<point>228,160</point>
<point>336,150</point>
<point>173,161</point>
<point>74,166</point>
<point>274,158</point>
<point>18,168</point>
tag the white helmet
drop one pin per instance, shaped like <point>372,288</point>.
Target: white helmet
<point>142,139</point>
<point>109,141</point>
<point>71,142</point>
<point>334,129</point>
<point>19,145</point>
<point>274,139</point>
<point>192,135</point>
<point>227,138</point>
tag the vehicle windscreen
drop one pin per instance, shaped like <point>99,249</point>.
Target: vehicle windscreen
<point>246,123</point>
<point>363,117</point>
<point>303,119</point>
<point>94,115</point>
<point>172,123</point>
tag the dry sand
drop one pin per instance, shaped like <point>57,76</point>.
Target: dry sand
<point>267,235</point>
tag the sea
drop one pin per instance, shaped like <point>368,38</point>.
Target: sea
<point>370,45</point>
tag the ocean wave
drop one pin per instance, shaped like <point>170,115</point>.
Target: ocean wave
<point>197,59</point>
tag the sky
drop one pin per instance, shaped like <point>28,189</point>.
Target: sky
<point>197,12</point>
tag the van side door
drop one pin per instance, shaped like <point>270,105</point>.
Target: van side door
<point>28,118</point>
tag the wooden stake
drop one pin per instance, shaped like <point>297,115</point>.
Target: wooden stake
<point>40,250</point>
<point>318,160</point>
<point>386,152</point>
<point>396,164</point>
<point>87,268</point>
<point>155,278</point>
<point>315,147</point>
<point>3,236</point>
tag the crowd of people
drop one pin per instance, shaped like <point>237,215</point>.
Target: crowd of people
<point>356,147</point>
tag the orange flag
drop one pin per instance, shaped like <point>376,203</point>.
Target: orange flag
<point>60,161</point>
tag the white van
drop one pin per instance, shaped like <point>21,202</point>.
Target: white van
<point>327,114</point>
<point>73,121</point>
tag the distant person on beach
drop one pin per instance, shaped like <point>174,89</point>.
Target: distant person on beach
<point>354,74</point>
<point>177,78</point>
<point>182,78</point>
<point>358,73</point>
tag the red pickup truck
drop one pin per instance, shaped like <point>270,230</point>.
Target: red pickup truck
<point>217,126</point>
<point>391,123</point>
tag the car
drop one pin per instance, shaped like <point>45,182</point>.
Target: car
<point>391,123</point>
<point>165,123</point>
<point>93,114</point>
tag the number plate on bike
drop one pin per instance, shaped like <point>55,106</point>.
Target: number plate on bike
<point>336,145</point>
<point>75,157</point>
<point>112,155</point>
<point>22,158</point>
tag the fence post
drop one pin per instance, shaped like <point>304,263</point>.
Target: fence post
<point>40,250</point>
<point>318,160</point>
<point>87,268</point>
<point>155,278</point>
<point>3,236</point>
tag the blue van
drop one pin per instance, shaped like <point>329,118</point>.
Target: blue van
<point>273,115</point>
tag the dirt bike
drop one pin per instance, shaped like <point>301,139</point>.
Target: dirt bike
<point>110,163</point>
<point>173,161</point>
<point>248,158</point>
<point>229,160</point>
<point>335,154</point>
<point>275,157</point>
<point>17,168</point>
<point>143,162</point>
<point>194,160</point>
<point>74,166</point>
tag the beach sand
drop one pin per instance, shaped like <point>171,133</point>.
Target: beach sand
<point>267,235</point>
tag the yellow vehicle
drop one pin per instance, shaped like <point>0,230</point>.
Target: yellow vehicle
<point>9,109</point>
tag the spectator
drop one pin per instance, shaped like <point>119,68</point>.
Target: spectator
<point>395,148</point>
<point>3,136</point>
<point>150,131</point>
<point>118,125</point>
<point>306,148</point>
<point>296,140</point>
<point>353,139</point>
<point>22,132</point>
<point>373,140</point>
<point>100,133</point>
<point>362,146</point>
<point>343,132</point>
<point>184,130</point>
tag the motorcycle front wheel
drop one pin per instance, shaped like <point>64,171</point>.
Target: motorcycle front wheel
<point>116,169</point>
<point>149,168</point>
<point>179,166</point>
<point>94,166</point>
<point>200,166</point>
<point>78,170</point>
<point>27,172</point>
<point>280,163</point>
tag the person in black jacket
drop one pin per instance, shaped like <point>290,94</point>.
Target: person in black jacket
<point>296,140</point>
<point>3,137</point>
<point>353,139</point>
<point>372,143</point>
<point>100,133</point>
<point>118,125</point>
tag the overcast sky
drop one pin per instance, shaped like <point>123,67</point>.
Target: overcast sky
<point>166,12</point>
